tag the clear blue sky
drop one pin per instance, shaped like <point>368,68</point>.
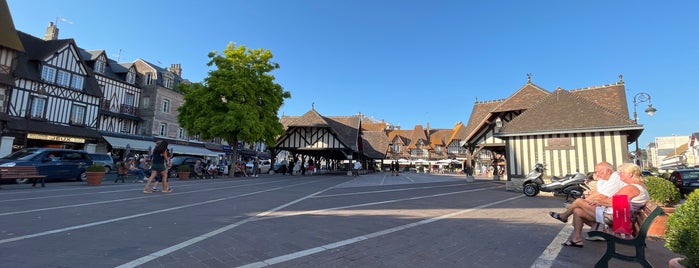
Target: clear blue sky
<point>410,62</point>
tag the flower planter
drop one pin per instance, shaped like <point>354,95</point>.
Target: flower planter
<point>183,175</point>
<point>658,227</point>
<point>94,178</point>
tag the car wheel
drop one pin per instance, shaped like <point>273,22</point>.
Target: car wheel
<point>107,169</point>
<point>22,181</point>
<point>82,177</point>
<point>530,189</point>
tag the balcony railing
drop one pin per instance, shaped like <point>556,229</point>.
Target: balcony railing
<point>128,109</point>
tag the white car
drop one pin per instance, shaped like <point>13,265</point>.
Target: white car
<point>264,166</point>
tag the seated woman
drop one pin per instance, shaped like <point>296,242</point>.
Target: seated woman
<point>132,168</point>
<point>634,189</point>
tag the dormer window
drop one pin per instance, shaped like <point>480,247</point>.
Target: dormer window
<point>131,76</point>
<point>168,83</point>
<point>100,65</point>
<point>149,78</point>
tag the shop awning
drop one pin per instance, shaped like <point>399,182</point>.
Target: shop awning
<point>191,150</point>
<point>120,143</point>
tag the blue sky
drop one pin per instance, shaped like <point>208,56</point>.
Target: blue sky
<point>410,62</point>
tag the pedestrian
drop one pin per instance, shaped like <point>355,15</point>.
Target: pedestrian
<point>290,168</point>
<point>356,168</point>
<point>256,167</point>
<point>160,158</point>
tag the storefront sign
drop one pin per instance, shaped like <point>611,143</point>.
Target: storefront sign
<point>54,138</point>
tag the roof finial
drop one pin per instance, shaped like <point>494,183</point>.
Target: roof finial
<point>313,105</point>
<point>529,78</point>
<point>476,98</point>
<point>621,78</point>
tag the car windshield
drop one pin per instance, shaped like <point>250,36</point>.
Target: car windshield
<point>178,160</point>
<point>25,154</point>
<point>690,174</point>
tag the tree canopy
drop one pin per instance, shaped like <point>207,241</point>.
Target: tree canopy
<point>238,100</point>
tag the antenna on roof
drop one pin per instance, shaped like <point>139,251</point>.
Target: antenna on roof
<point>118,55</point>
<point>63,20</point>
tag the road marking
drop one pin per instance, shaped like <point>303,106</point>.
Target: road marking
<point>3,241</point>
<point>213,233</point>
<point>396,190</point>
<point>547,257</point>
<point>265,216</point>
<point>303,253</point>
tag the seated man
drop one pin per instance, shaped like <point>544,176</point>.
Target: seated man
<point>133,169</point>
<point>199,169</point>
<point>585,213</point>
<point>212,169</point>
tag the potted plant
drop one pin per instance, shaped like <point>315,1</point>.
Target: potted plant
<point>183,171</point>
<point>95,174</point>
<point>666,195</point>
<point>682,234</point>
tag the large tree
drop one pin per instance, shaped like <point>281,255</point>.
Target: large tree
<point>238,100</point>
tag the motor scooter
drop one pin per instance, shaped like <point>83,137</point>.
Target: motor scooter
<point>572,185</point>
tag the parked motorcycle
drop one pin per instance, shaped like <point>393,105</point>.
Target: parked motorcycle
<point>572,185</point>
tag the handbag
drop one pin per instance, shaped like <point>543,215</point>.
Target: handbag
<point>621,215</point>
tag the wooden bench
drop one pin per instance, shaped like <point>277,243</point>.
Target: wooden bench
<point>22,172</point>
<point>123,174</point>
<point>642,223</point>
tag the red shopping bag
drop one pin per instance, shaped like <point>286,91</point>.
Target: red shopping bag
<point>621,217</point>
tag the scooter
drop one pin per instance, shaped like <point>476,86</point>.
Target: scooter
<point>572,185</point>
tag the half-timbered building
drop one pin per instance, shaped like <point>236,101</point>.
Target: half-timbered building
<point>55,100</point>
<point>119,120</point>
<point>567,131</point>
<point>10,49</point>
<point>332,139</point>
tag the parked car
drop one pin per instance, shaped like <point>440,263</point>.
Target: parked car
<point>183,160</point>
<point>687,180</point>
<point>104,159</point>
<point>56,164</point>
<point>264,166</point>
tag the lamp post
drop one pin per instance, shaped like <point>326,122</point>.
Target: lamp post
<point>639,98</point>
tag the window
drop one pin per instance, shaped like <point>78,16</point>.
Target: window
<point>438,149</point>
<point>129,99</point>
<point>77,114</point>
<point>48,73</point>
<point>38,107</point>
<point>163,129</point>
<point>63,78</point>
<point>166,106</point>
<point>131,77</point>
<point>396,148</point>
<point>99,66</point>
<point>180,133</point>
<point>149,78</point>
<point>76,82</point>
<point>168,83</point>
<point>126,127</point>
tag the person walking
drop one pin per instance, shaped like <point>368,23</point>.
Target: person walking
<point>256,167</point>
<point>160,158</point>
<point>356,168</point>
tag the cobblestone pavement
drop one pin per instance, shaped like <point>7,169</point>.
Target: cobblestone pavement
<point>374,220</point>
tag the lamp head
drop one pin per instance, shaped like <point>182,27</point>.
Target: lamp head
<point>650,110</point>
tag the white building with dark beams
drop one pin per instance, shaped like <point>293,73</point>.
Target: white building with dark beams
<point>10,49</point>
<point>120,122</point>
<point>55,99</point>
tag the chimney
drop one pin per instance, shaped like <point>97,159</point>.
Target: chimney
<point>176,68</point>
<point>51,32</point>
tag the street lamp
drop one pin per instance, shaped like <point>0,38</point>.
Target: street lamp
<point>639,98</point>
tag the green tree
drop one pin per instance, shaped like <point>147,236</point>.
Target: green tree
<point>238,100</point>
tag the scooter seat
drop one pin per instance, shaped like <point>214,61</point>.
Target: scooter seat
<point>554,178</point>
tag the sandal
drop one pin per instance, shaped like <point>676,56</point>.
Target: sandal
<point>146,191</point>
<point>557,216</point>
<point>571,243</point>
<point>169,190</point>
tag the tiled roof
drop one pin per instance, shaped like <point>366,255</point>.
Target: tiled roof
<point>375,144</point>
<point>479,116</point>
<point>38,50</point>
<point>523,98</point>
<point>564,111</point>
<point>417,135</point>
<point>373,126</point>
<point>8,33</point>
<point>458,132</point>
<point>611,96</point>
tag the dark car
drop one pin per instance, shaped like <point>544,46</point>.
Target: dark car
<point>56,164</point>
<point>183,160</point>
<point>687,180</point>
<point>104,159</point>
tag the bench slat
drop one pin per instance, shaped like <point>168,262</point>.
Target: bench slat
<point>22,172</point>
